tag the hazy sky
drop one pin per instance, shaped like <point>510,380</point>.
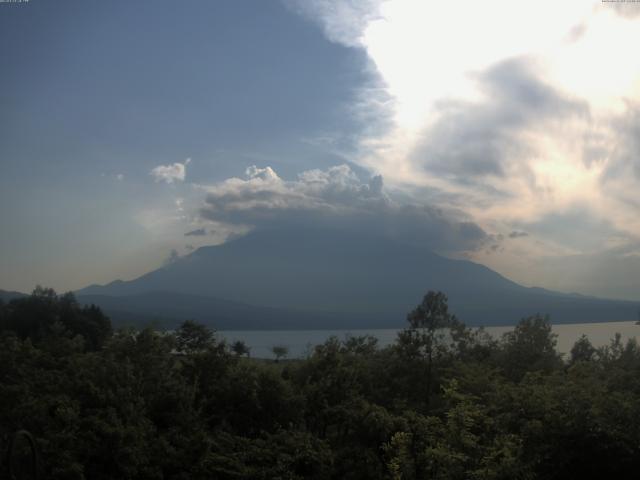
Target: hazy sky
<point>504,132</point>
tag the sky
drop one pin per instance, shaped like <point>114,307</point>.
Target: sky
<point>507,133</point>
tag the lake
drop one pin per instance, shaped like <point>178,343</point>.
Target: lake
<point>301,342</point>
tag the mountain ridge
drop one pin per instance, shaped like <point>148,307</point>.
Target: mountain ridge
<point>354,280</point>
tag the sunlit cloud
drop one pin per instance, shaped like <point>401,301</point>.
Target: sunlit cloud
<point>170,173</point>
<point>517,113</point>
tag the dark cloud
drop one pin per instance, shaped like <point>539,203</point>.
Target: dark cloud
<point>470,141</point>
<point>337,198</point>
<point>624,155</point>
<point>172,257</point>
<point>196,233</point>
<point>522,95</point>
<point>518,234</point>
<point>595,148</point>
<point>495,248</point>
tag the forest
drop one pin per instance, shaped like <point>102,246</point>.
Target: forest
<point>443,402</point>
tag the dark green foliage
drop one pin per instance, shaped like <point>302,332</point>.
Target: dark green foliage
<point>192,337</point>
<point>44,314</point>
<point>530,347</point>
<point>433,336</point>
<point>240,348</point>
<point>582,350</point>
<point>444,402</point>
<point>280,351</point>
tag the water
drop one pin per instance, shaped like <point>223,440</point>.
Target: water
<point>301,342</point>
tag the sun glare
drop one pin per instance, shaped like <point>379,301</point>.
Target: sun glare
<point>433,52</point>
<point>428,51</point>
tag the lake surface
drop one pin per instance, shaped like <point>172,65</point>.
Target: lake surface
<point>301,342</point>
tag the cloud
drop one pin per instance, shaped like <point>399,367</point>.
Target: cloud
<point>624,155</point>
<point>170,173</point>
<point>343,21</point>
<point>120,176</point>
<point>478,112</point>
<point>337,198</point>
<point>535,133</point>
<point>263,194</point>
<point>628,9</point>
<point>495,137</point>
<point>196,233</point>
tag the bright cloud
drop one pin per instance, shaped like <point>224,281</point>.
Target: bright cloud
<point>170,173</point>
<point>264,194</point>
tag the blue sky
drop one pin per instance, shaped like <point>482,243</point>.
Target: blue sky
<point>501,132</point>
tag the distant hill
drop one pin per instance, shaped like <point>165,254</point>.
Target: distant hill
<point>7,296</point>
<point>327,279</point>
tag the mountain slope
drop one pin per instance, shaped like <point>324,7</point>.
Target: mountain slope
<point>354,279</point>
<point>166,309</point>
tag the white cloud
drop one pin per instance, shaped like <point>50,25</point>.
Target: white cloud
<point>170,173</point>
<point>338,189</point>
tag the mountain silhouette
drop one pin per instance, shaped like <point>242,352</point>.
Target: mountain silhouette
<point>316,278</point>
<point>7,295</point>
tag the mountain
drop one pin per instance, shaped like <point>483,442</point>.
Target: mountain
<point>326,278</point>
<point>6,296</point>
<point>167,309</point>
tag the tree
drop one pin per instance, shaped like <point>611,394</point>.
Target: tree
<point>88,321</point>
<point>531,346</point>
<point>583,350</point>
<point>46,314</point>
<point>280,351</point>
<point>430,328</point>
<point>192,337</point>
<point>240,348</point>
